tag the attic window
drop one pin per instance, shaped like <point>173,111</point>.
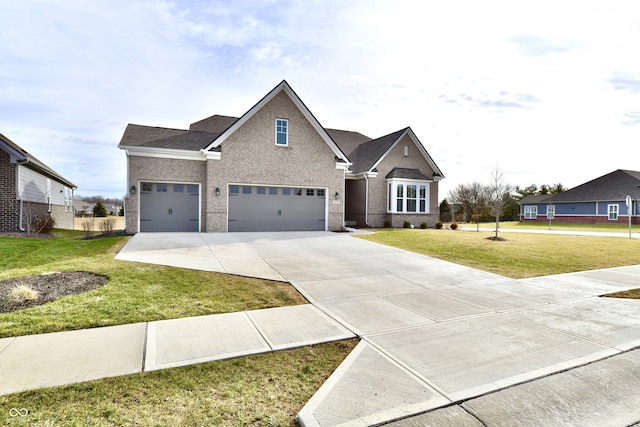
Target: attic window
<point>282,132</point>
<point>406,151</point>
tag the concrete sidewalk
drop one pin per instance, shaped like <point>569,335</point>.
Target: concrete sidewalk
<point>47,360</point>
<point>440,342</point>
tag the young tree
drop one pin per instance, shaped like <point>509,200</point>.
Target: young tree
<point>498,194</point>
<point>99,209</point>
<point>445,211</point>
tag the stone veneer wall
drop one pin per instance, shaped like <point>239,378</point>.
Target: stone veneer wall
<point>9,203</point>
<point>378,188</point>
<point>250,156</point>
<point>150,169</point>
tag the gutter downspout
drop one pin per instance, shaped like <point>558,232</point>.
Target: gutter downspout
<point>366,200</point>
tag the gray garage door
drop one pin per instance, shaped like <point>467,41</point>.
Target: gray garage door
<point>254,208</point>
<point>169,207</point>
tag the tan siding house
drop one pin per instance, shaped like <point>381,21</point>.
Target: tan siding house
<point>274,169</point>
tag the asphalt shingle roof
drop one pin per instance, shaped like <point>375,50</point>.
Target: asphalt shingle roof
<point>365,156</point>
<point>613,186</point>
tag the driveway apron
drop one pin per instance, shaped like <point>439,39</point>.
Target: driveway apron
<point>447,342</point>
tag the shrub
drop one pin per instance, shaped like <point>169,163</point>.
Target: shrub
<point>406,224</point>
<point>43,225</point>
<point>454,226</point>
<point>107,226</point>
<point>387,224</point>
<point>22,293</point>
<point>423,225</point>
<point>87,227</point>
<point>438,225</point>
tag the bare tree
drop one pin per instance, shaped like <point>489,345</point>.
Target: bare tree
<point>498,194</point>
<point>471,197</point>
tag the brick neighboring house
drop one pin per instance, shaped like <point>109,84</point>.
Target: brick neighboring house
<point>599,201</point>
<point>275,168</point>
<point>30,189</point>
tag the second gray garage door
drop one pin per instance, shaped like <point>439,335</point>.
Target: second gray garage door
<point>257,208</point>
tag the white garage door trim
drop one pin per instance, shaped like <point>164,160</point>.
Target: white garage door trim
<point>176,212</point>
<point>254,207</point>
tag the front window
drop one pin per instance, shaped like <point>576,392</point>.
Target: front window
<point>408,197</point>
<point>530,212</point>
<point>613,212</point>
<point>282,132</point>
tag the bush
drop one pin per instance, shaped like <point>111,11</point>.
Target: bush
<point>387,224</point>
<point>87,227</point>
<point>454,226</point>
<point>107,226</point>
<point>406,224</point>
<point>43,225</point>
<point>438,225</point>
<point>423,225</point>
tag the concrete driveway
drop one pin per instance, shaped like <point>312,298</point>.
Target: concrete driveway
<point>442,344</point>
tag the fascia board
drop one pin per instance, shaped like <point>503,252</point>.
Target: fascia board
<point>166,153</point>
<point>361,175</point>
<point>14,155</point>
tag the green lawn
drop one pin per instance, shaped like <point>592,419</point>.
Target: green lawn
<point>134,293</point>
<point>544,225</point>
<point>520,255</point>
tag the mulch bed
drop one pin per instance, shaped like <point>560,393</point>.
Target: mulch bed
<point>50,287</point>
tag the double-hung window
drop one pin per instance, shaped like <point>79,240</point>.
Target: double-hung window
<point>408,196</point>
<point>282,132</point>
<point>530,211</point>
<point>613,212</point>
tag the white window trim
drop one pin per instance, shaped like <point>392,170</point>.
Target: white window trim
<point>615,211</point>
<point>392,200</point>
<point>533,211</point>
<point>286,144</point>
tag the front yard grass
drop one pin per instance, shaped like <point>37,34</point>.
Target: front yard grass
<point>134,292</point>
<point>262,390</point>
<point>520,255</point>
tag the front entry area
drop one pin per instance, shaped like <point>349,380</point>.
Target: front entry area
<point>169,207</point>
<point>261,208</point>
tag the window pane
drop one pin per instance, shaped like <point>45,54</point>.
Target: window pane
<point>286,191</point>
<point>234,189</point>
<point>193,189</point>
<point>310,192</point>
<point>147,186</point>
<point>399,205</point>
<point>423,205</point>
<point>246,190</point>
<point>178,188</point>
<point>400,190</point>
<point>281,131</point>
<point>162,188</point>
<point>411,205</point>
<point>273,191</point>
<point>297,191</point>
<point>320,193</point>
<point>423,191</point>
<point>411,191</point>
<point>261,190</point>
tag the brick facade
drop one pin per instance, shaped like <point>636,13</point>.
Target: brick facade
<point>9,203</point>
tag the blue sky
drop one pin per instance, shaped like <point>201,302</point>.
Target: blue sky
<point>547,91</point>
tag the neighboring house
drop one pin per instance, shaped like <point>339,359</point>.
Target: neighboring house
<point>275,169</point>
<point>600,201</point>
<point>29,189</point>
<point>82,208</point>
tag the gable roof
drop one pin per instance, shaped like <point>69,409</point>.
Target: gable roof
<point>612,186</point>
<point>533,199</point>
<point>366,157</point>
<point>282,87</point>
<point>216,124</point>
<point>21,156</point>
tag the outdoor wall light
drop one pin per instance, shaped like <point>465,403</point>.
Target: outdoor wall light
<point>132,190</point>
<point>217,191</point>
<point>337,196</point>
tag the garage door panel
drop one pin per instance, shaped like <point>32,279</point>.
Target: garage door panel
<point>276,209</point>
<point>169,207</point>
